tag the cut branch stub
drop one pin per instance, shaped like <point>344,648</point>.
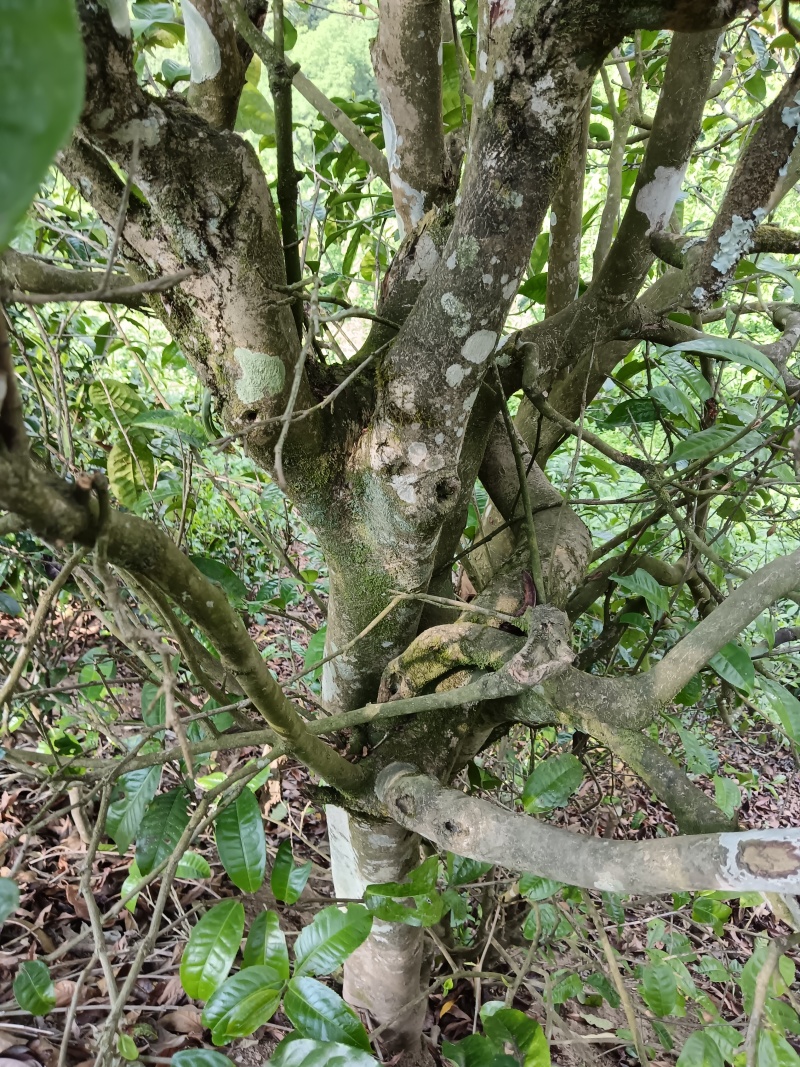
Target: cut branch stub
<point>753,861</point>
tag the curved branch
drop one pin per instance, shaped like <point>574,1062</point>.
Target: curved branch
<point>756,860</point>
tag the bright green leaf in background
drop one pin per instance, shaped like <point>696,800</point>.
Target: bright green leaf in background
<point>552,783</point>
<point>239,832</point>
<point>34,989</point>
<point>41,94</point>
<point>9,898</point>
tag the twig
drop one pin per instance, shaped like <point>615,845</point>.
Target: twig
<point>105,294</point>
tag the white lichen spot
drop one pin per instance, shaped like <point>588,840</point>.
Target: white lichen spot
<point>483,59</point>
<point>488,95</point>
<point>470,400</point>
<point>657,199</point>
<point>205,60</point>
<point>478,348</point>
<point>459,431</point>
<point>455,374</point>
<point>544,104</point>
<point>451,261</point>
<point>120,19</point>
<point>425,259</point>
<point>439,439</point>
<point>553,220</point>
<point>487,279</point>
<point>261,376</point>
<point>790,116</point>
<point>146,131</point>
<point>417,452</point>
<point>736,240</point>
<point>503,12</point>
<point>440,54</point>
<point>453,307</point>
<point>699,296</point>
<point>403,485</point>
<point>209,603</point>
<point>499,69</point>
<point>510,289</point>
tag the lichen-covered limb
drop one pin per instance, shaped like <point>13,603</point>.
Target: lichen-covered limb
<point>58,512</point>
<point>757,860</point>
<point>750,195</point>
<point>566,223</point>
<point>217,67</point>
<point>30,275</point>
<point>406,56</point>
<point>209,208</point>
<point>765,238</point>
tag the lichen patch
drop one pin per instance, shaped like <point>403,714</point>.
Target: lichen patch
<point>261,375</point>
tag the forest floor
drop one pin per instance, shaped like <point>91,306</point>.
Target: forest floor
<point>49,861</point>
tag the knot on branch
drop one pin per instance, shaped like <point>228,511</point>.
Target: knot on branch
<point>547,650</point>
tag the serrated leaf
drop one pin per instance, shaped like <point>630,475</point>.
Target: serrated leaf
<point>239,832</point>
<point>333,935</point>
<point>733,665</point>
<point>132,794</point>
<point>211,949</point>
<point>710,443</point>
<point>34,989</point>
<point>244,1002</point>
<point>9,898</point>
<point>287,880</point>
<point>162,827</point>
<point>552,783</point>
<point>115,400</point>
<point>266,944</point>
<point>131,470</point>
<point>319,1013</point>
<point>659,988</point>
<point>296,1051</point>
<point>736,351</point>
<point>41,93</point>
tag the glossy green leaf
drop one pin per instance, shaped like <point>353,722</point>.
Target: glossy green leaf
<point>296,1051</point>
<point>162,826</point>
<point>727,795</point>
<point>193,867</point>
<point>775,1051</point>
<point>414,901</point>
<point>9,898</point>
<point>733,665</point>
<point>126,1047</point>
<point>642,584</point>
<point>239,832</point>
<point>200,1057</point>
<point>287,880</point>
<point>132,880</point>
<point>220,573</point>
<point>710,443</point>
<point>334,935</point>
<point>736,351</point>
<point>535,888</point>
<point>634,411</point>
<point>211,949</point>
<point>34,989</point>
<point>131,470</point>
<point>713,912</point>
<point>132,795</point>
<point>508,1026</point>
<point>244,1002</point>
<point>683,372</point>
<point>41,94</point>
<point>462,871</point>
<point>700,1051</point>
<point>477,1051</point>
<point>659,988</point>
<point>552,783</point>
<point>184,426</point>
<point>675,402</point>
<point>266,944</point>
<point>319,1013</point>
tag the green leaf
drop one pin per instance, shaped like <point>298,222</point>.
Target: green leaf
<point>775,1051</point>
<point>9,898</point>
<point>130,470</point>
<point>535,888</point>
<point>700,1051</point>
<point>772,266</point>
<point>727,795</point>
<point>183,425</point>
<point>10,606</point>
<point>287,881</point>
<point>266,945</point>
<point>295,1051</point>
<point>255,113</point>
<point>599,132</point>
<point>200,1057</point>
<point>461,871</point>
<point>115,401</point>
<point>712,912</point>
<point>126,1047</point>
<point>34,989</point>
<point>733,665</point>
<point>785,705</point>
<point>710,443</point>
<point>41,94</point>
<point>316,649</point>
<point>552,783</point>
<point>736,351</point>
<point>193,867</point>
<point>699,758</point>
<point>162,826</point>
<point>239,831</point>
<point>478,1051</point>
<point>132,880</point>
<point>154,705</point>
<point>334,935</point>
<point>691,692</point>
<point>289,35</point>
<point>317,1012</point>
<point>244,1002</point>
<point>659,988</point>
<point>689,376</point>
<point>218,572</point>
<point>211,949</point>
<point>415,901</point>
<point>640,583</point>
<point>132,794</point>
<point>635,410</point>
<point>676,402</point>
<point>508,1026</point>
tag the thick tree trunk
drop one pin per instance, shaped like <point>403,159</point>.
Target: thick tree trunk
<point>385,976</point>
